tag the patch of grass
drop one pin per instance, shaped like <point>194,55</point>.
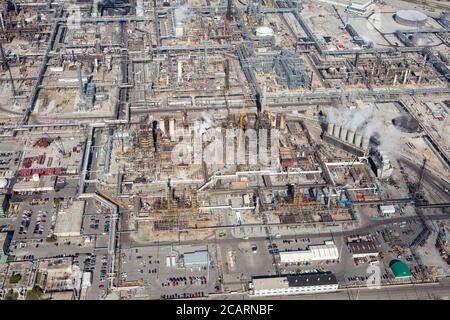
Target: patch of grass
<point>15,278</point>
<point>34,294</point>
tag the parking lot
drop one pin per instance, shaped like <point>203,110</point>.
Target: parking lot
<point>147,266</point>
<point>34,221</point>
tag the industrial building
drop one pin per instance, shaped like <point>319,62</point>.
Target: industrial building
<point>294,284</point>
<point>69,219</point>
<point>148,126</point>
<point>196,259</point>
<point>326,252</point>
<point>363,249</point>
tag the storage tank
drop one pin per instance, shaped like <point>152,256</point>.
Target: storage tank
<point>343,134</point>
<point>365,143</point>
<point>264,32</point>
<point>411,18</point>
<point>350,136</point>
<point>336,131</point>
<point>172,129</point>
<point>330,128</point>
<point>162,126</point>
<point>358,139</point>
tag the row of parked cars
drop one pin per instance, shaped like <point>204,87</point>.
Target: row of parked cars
<point>183,295</point>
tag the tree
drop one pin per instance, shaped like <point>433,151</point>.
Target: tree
<point>11,295</point>
<point>15,278</point>
<point>52,238</point>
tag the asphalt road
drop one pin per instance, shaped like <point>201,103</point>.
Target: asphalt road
<point>360,230</point>
<point>429,291</point>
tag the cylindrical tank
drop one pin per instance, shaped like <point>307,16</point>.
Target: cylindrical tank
<point>172,129</point>
<point>411,18</point>
<point>365,143</point>
<point>264,32</point>
<point>162,126</point>
<point>343,134</point>
<point>330,128</point>
<point>336,131</point>
<point>282,122</point>
<point>358,139</point>
<point>350,136</point>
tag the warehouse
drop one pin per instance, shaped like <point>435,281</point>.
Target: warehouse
<point>294,284</point>
<point>387,210</point>
<point>327,251</point>
<point>196,258</point>
<point>363,249</point>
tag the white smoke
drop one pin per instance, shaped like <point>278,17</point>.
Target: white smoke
<point>366,123</point>
<point>182,13</point>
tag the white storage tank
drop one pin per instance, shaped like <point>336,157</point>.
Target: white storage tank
<point>330,128</point>
<point>264,32</point>
<point>350,136</point>
<point>358,139</point>
<point>336,131</point>
<point>365,143</point>
<point>343,134</point>
<point>411,18</point>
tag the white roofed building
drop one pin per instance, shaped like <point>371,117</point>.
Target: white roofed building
<point>327,251</point>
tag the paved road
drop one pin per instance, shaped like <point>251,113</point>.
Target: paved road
<point>360,230</point>
<point>429,291</point>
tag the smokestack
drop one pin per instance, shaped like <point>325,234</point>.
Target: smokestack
<point>80,79</point>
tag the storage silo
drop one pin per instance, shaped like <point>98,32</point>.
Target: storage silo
<point>343,134</point>
<point>336,131</point>
<point>330,128</point>
<point>365,143</point>
<point>350,136</point>
<point>358,139</point>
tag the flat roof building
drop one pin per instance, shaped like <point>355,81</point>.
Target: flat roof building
<point>294,284</point>
<point>196,258</point>
<point>69,220</point>
<point>327,251</point>
<point>363,249</point>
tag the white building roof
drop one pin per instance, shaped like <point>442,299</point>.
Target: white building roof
<point>387,209</point>
<point>68,221</point>
<point>327,251</point>
<point>196,258</point>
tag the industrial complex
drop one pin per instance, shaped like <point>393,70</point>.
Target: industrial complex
<point>220,149</point>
